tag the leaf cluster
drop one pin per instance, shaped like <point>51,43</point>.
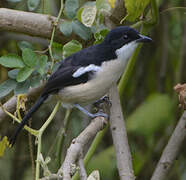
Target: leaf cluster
<point>21,69</point>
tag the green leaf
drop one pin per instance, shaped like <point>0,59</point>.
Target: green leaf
<point>57,50</point>
<point>88,15</point>
<point>103,5</point>
<point>13,73</point>
<point>23,74</point>
<point>71,47</point>
<point>81,30</point>
<point>22,87</point>
<point>66,28</point>
<point>42,64</point>
<point>11,61</point>
<point>78,15</point>
<point>29,57</point>
<point>35,81</point>
<point>135,8</point>
<point>24,44</point>
<point>102,163</point>
<point>99,36</point>
<point>6,87</point>
<point>154,113</point>
<point>33,4</point>
<point>71,7</point>
<point>139,158</point>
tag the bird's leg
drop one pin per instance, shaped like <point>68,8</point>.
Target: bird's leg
<point>90,114</point>
<point>104,99</point>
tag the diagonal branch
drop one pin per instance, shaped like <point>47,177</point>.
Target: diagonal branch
<point>171,151</point>
<point>78,144</point>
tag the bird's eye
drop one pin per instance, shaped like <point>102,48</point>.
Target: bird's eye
<point>125,36</point>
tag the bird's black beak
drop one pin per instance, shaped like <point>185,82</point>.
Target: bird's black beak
<point>143,38</point>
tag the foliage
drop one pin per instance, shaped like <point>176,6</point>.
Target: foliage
<point>6,87</point>
<point>135,8</point>
<point>33,4</point>
<point>149,103</point>
<point>71,47</point>
<point>105,167</point>
<point>158,105</point>
<point>23,68</point>
<point>11,61</point>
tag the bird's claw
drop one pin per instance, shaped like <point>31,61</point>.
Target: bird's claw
<point>100,114</point>
<point>104,99</point>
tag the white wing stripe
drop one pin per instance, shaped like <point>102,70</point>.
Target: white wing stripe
<point>84,70</point>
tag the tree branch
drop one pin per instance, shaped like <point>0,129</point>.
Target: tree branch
<point>119,135</point>
<point>78,144</point>
<point>33,24</point>
<point>171,151</point>
<point>82,171</point>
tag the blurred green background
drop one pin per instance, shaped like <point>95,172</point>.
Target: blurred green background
<point>150,105</point>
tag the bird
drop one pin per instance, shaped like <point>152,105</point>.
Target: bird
<point>86,76</point>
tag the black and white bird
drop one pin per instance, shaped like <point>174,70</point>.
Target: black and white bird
<point>87,75</point>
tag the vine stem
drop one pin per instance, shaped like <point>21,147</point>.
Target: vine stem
<point>18,106</point>
<point>39,137</point>
<point>61,137</point>
<point>30,130</point>
<point>53,33</point>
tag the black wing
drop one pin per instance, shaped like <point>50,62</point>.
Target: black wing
<point>64,75</point>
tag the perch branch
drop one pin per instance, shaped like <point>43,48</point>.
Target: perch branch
<point>171,151</point>
<point>119,135</point>
<point>78,145</point>
<point>82,171</point>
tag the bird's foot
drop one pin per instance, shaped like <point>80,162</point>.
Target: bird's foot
<point>98,114</point>
<point>104,99</point>
<point>82,109</point>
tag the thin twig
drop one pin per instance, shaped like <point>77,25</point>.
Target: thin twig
<point>119,135</point>
<point>31,150</point>
<point>39,137</point>
<point>171,151</point>
<point>53,33</point>
<point>61,137</point>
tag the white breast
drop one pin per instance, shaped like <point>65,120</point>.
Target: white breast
<point>97,87</point>
<point>126,51</point>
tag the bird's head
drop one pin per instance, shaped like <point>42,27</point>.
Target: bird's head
<point>124,40</point>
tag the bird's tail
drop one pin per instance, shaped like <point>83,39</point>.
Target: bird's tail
<point>33,109</point>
